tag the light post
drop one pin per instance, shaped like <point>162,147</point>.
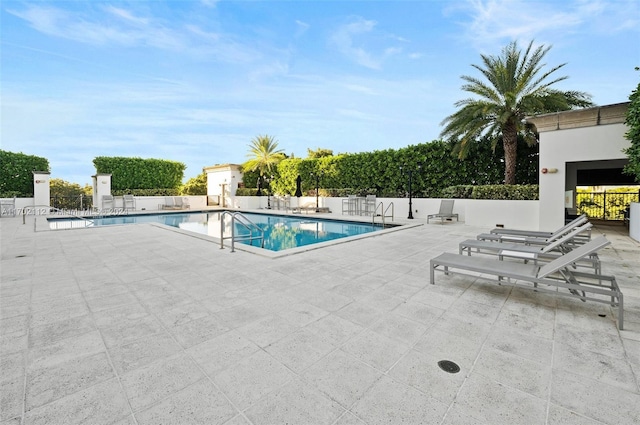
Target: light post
<point>409,172</point>
<point>268,190</point>
<point>317,176</point>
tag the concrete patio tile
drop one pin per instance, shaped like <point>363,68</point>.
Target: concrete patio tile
<point>381,301</point>
<point>354,289</point>
<point>387,402</point>
<point>329,301</point>
<point>241,315</point>
<point>470,310</point>
<point>252,378</point>
<point>534,320</point>
<point>151,383</point>
<point>349,419</point>
<point>416,311</point>
<point>498,404</point>
<point>376,350</point>
<point>199,403</point>
<point>222,352</point>
<point>399,328</point>
<point>594,399</point>
<point>13,342</point>
<point>526,375</point>
<point>561,416</point>
<point>65,350</point>
<point>101,403</point>
<point>360,313</point>
<point>106,291</point>
<point>295,403</point>
<point>303,313</point>
<point>14,324</point>
<point>182,313</point>
<point>47,384</point>
<point>151,288</point>
<point>198,330</point>
<point>421,371</point>
<point>521,344</point>
<point>52,332</point>
<point>613,371</point>
<point>399,289</point>
<point>460,416</point>
<point>113,301</point>
<point>594,340</point>
<point>300,349</point>
<point>42,315</point>
<point>341,377</point>
<point>268,330</point>
<point>12,365</point>
<point>142,351</point>
<point>334,329</point>
<point>11,396</point>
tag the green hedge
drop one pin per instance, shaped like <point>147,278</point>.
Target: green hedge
<point>496,191</point>
<point>137,173</point>
<point>146,192</point>
<point>379,172</point>
<point>16,173</point>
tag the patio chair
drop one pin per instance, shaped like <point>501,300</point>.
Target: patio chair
<point>128,202</point>
<point>535,237</point>
<point>548,278</point>
<point>535,253</point>
<point>107,202</point>
<point>578,221</point>
<point>181,203</point>
<point>8,206</point>
<point>445,212</point>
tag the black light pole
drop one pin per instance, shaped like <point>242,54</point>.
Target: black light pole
<point>268,189</point>
<point>410,173</point>
<point>317,176</point>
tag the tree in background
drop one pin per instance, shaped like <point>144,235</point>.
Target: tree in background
<point>67,195</point>
<point>264,156</point>
<point>516,87</point>
<point>195,185</point>
<point>319,153</point>
<point>633,121</point>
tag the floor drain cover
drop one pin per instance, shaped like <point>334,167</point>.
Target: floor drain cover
<point>602,315</point>
<point>20,256</point>
<point>449,366</point>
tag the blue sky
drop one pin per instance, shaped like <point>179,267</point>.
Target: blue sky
<point>195,81</point>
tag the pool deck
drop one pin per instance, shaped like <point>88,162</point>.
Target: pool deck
<point>141,325</point>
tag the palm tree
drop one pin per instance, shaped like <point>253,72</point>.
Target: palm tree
<point>516,87</point>
<point>263,155</point>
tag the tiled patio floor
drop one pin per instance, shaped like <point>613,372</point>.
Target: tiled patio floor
<point>140,325</point>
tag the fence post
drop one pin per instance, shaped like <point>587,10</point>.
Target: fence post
<point>604,204</point>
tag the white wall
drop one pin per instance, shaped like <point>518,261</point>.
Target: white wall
<point>594,143</point>
<point>634,221</point>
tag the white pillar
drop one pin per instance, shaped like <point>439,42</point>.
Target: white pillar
<point>101,187</point>
<point>41,190</point>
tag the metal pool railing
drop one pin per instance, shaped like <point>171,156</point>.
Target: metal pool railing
<point>244,222</point>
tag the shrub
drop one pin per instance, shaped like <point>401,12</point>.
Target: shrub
<point>16,173</point>
<point>138,173</point>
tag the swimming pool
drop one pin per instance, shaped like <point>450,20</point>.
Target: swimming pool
<point>281,232</point>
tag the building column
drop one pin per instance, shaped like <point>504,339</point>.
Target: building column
<point>41,190</point>
<point>101,187</point>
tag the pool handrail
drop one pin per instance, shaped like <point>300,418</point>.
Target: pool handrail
<point>247,224</point>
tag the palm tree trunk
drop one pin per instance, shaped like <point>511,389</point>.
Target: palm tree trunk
<point>510,142</point>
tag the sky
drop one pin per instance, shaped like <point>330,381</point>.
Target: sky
<point>195,81</point>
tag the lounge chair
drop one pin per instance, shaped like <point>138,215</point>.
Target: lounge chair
<point>535,237</point>
<point>181,203</point>
<point>8,206</point>
<point>107,202</point>
<point>128,202</point>
<point>549,278</point>
<point>578,221</point>
<point>543,253</point>
<point>445,212</point>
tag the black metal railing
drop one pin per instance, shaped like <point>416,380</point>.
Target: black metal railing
<point>605,205</point>
<point>77,202</point>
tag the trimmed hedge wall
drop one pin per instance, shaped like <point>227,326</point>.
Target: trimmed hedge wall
<point>16,173</point>
<point>380,172</point>
<point>137,173</point>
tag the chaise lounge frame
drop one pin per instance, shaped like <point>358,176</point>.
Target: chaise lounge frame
<point>557,274</point>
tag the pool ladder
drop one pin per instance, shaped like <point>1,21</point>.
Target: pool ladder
<point>383,213</point>
<point>244,222</point>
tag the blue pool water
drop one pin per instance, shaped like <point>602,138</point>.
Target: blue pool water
<point>280,232</point>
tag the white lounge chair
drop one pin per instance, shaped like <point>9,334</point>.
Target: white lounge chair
<point>578,221</point>
<point>548,278</point>
<point>543,252</point>
<point>8,206</point>
<point>535,237</point>
<point>128,202</point>
<point>445,212</point>
<point>107,202</point>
